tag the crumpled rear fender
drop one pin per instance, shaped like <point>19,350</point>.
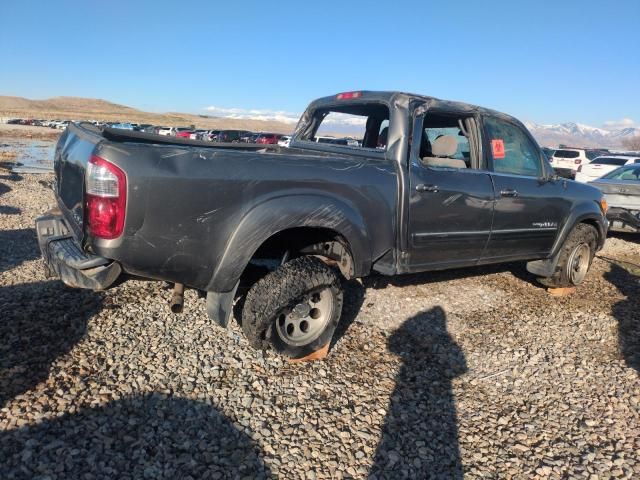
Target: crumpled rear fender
<point>291,211</point>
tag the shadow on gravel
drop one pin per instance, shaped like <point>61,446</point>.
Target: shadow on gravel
<point>8,210</point>
<point>627,281</point>
<point>16,247</point>
<point>12,177</point>
<point>4,188</point>
<point>149,436</point>
<point>420,434</point>
<point>354,293</point>
<point>39,322</point>
<point>626,236</point>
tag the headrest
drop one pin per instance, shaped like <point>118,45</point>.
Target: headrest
<point>444,146</point>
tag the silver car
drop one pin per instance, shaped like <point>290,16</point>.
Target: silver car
<point>621,189</point>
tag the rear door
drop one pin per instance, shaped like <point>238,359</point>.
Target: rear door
<point>529,208</point>
<point>450,209</point>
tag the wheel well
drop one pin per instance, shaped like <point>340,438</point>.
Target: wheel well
<point>322,242</point>
<point>593,223</point>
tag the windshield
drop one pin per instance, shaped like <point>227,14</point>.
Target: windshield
<point>629,172</point>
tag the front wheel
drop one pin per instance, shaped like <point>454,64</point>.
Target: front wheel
<point>294,309</point>
<point>575,258</point>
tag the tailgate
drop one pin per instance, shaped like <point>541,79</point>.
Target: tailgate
<point>596,170</point>
<point>72,154</point>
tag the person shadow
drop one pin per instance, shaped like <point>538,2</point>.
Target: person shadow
<point>143,436</point>
<point>39,322</point>
<point>627,281</point>
<point>420,433</point>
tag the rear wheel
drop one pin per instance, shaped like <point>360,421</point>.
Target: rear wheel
<point>575,258</point>
<point>294,309</point>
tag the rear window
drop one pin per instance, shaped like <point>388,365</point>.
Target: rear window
<point>609,161</point>
<point>566,154</point>
<point>354,126</point>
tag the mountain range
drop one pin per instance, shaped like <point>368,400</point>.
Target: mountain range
<point>579,135</point>
<point>574,134</point>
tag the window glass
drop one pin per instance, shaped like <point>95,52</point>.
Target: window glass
<point>449,142</point>
<point>351,125</point>
<point>462,149</point>
<point>566,154</point>
<point>609,161</point>
<point>629,172</point>
<point>511,149</point>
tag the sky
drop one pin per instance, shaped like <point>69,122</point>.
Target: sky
<point>542,61</point>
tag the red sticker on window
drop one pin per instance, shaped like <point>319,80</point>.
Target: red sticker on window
<point>497,146</point>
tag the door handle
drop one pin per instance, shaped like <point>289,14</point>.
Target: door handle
<point>426,188</point>
<point>509,192</point>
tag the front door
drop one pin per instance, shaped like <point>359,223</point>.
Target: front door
<point>451,196</point>
<point>529,207</point>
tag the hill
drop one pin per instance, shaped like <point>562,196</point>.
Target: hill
<point>75,108</point>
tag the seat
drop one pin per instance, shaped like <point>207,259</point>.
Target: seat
<point>382,137</point>
<point>442,149</point>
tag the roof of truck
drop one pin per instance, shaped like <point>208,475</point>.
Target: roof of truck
<point>388,96</point>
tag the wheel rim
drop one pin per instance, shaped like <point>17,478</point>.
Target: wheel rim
<point>306,321</point>
<point>578,264</point>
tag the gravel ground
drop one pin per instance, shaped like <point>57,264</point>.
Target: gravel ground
<point>474,373</point>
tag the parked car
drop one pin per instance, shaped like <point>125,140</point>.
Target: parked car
<point>621,188</point>
<point>210,135</point>
<point>247,137</point>
<point>268,138</point>
<point>230,136</point>
<point>123,126</point>
<point>167,131</point>
<point>432,198</point>
<point>183,132</point>
<point>566,161</point>
<point>284,140</point>
<point>601,166</point>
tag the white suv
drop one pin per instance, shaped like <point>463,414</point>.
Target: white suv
<point>565,161</point>
<point>601,166</point>
<point>167,131</point>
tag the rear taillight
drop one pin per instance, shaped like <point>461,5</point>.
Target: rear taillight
<point>106,198</point>
<point>577,161</point>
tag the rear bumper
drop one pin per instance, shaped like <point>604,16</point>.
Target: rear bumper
<point>64,257</point>
<point>622,219</point>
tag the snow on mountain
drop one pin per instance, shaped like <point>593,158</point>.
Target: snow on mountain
<point>577,134</point>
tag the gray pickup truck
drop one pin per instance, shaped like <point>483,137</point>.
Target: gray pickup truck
<point>425,184</point>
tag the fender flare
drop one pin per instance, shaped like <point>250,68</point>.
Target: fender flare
<point>583,213</point>
<point>281,213</point>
